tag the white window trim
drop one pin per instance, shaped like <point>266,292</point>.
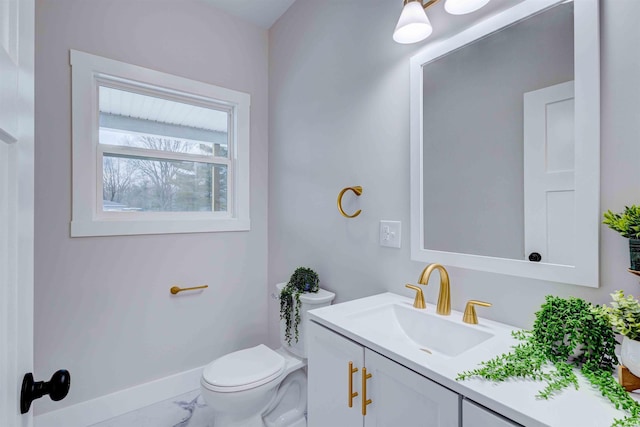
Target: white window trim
<point>87,216</point>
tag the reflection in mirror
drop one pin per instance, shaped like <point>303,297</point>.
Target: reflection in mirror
<point>505,144</point>
<point>473,112</point>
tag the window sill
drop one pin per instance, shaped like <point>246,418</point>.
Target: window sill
<point>134,227</point>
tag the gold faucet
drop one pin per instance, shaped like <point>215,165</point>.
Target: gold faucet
<point>418,301</point>
<point>444,296</point>
<point>470,315</point>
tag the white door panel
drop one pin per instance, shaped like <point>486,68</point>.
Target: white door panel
<point>549,175</point>
<point>9,70</point>
<point>16,205</point>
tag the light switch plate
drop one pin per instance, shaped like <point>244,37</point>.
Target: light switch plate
<point>390,233</point>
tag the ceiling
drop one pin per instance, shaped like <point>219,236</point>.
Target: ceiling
<point>263,13</point>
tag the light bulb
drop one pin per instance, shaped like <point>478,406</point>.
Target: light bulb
<point>461,7</point>
<point>413,25</point>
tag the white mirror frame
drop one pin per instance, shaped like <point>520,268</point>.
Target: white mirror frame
<point>585,272</point>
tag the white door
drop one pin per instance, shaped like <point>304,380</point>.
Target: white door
<point>549,174</point>
<point>16,205</point>
<point>329,378</point>
<point>401,397</point>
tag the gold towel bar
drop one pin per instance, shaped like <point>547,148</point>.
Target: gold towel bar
<point>174,290</point>
<point>358,191</point>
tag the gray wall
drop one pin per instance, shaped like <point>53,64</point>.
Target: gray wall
<point>473,168</point>
<point>102,305</point>
<point>339,108</point>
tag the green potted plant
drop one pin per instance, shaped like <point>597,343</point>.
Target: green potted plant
<point>624,316</point>
<point>627,223</point>
<point>569,336</point>
<point>302,280</point>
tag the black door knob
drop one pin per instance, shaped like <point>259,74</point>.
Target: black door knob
<point>535,257</point>
<point>57,388</point>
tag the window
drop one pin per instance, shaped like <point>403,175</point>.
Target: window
<point>156,153</point>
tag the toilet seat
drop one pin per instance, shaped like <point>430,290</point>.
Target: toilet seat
<point>243,370</point>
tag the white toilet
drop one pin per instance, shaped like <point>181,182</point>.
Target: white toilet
<point>260,387</point>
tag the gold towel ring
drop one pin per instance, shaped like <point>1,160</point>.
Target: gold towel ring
<point>358,191</point>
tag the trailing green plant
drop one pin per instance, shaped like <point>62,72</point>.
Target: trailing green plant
<point>568,335</point>
<point>624,315</point>
<point>302,280</point>
<point>626,223</point>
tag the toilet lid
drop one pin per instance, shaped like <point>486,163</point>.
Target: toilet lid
<point>243,369</point>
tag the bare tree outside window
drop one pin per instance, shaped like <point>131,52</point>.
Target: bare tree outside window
<point>161,185</point>
<point>163,175</point>
<point>116,178</point>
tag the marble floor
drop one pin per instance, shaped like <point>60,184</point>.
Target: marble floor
<point>187,410</point>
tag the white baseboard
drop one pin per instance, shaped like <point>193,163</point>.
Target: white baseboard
<point>111,405</point>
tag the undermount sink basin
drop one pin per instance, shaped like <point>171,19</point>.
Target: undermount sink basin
<point>431,332</point>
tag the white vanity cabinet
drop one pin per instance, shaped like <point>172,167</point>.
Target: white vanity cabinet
<point>474,415</point>
<point>384,334</point>
<point>399,396</point>
<point>328,358</point>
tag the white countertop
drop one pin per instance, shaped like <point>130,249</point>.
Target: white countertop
<point>514,399</point>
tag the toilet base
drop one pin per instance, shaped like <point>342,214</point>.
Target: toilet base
<point>279,403</point>
<point>289,406</point>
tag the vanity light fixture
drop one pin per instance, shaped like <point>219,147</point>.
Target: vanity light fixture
<point>462,7</point>
<point>414,25</point>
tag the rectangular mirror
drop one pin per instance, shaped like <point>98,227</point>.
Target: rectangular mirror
<point>505,144</point>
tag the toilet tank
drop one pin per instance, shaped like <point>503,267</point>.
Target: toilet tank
<point>308,301</point>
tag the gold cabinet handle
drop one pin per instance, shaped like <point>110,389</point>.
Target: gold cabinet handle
<point>176,289</point>
<point>365,401</point>
<point>470,311</point>
<point>352,371</point>
<point>418,302</point>
<point>358,191</point>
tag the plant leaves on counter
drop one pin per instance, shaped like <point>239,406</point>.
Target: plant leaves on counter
<point>567,334</point>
